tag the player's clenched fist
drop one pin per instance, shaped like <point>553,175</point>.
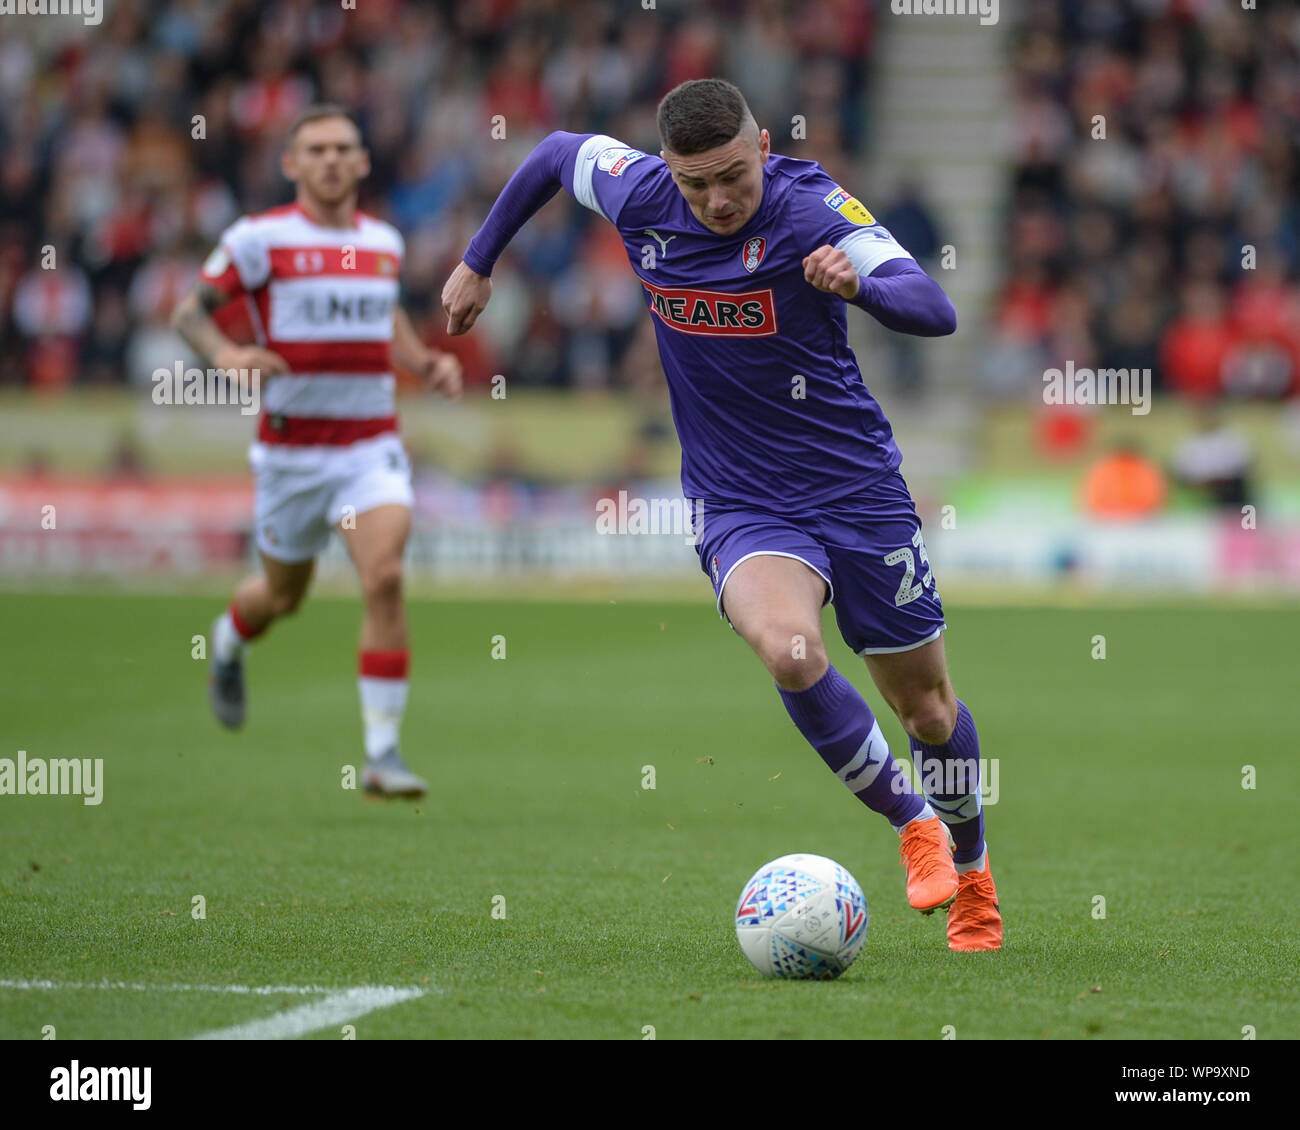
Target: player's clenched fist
<point>831,270</point>
<point>464,298</point>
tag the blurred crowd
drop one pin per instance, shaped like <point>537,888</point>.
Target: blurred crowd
<point>127,147</point>
<point>1170,241</point>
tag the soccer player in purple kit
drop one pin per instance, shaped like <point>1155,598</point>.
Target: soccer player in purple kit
<point>748,259</point>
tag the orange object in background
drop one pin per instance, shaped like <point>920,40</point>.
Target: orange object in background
<point>1123,486</point>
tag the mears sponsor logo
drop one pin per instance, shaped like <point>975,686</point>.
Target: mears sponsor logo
<point>715,313</point>
<point>100,1084</point>
<point>752,256</point>
<point>614,161</point>
<point>351,309</point>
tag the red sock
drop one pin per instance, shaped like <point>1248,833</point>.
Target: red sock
<point>383,687</point>
<point>241,626</point>
<point>384,664</point>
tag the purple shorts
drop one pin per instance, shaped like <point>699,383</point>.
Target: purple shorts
<point>867,547</point>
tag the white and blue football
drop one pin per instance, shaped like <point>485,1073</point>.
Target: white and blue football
<point>802,917</point>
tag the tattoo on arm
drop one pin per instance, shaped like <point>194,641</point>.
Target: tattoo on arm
<point>210,298</point>
<point>192,319</point>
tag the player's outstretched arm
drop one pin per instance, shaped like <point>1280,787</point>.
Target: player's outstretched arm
<point>439,371</point>
<point>897,293</point>
<point>192,319</point>
<point>546,170</point>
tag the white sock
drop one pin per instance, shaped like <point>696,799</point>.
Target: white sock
<point>926,813</point>
<point>227,643</point>
<point>383,702</point>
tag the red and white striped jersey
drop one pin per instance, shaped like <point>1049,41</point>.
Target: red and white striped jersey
<point>323,299</point>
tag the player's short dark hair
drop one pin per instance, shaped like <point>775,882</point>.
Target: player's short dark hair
<point>701,114</point>
<point>319,111</point>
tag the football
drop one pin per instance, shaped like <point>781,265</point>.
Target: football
<point>802,917</point>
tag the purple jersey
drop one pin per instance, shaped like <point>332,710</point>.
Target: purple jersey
<point>769,403</point>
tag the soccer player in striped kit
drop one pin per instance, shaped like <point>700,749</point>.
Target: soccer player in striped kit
<point>321,282</point>
<point>748,261</point>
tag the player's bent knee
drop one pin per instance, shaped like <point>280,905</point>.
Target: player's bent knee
<point>928,718</point>
<point>382,583</point>
<point>794,656</point>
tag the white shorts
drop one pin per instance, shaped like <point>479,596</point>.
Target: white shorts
<point>303,493</point>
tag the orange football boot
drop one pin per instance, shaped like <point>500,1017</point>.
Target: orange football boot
<point>973,921</point>
<point>931,876</point>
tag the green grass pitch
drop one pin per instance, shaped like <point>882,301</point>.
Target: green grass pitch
<point>1119,777</point>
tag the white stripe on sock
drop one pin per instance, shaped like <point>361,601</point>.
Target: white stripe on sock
<point>872,756</point>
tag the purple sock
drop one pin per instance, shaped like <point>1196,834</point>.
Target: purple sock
<point>840,726</point>
<point>950,776</point>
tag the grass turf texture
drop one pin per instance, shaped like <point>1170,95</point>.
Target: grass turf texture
<point>1118,777</point>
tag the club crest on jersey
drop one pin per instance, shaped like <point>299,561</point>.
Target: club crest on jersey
<point>752,255</point>
<point>308,262</point>
<point>848,206</point>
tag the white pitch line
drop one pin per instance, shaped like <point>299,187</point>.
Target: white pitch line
<point>139,987</point>
<point>336,1009</point>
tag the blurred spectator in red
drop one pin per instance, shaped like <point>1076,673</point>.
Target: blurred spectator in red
<point>1198,158</point>
<point>129,150</point>
<point>52,311</point>
<point>1195,344</point>
<point>1266,317</point>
